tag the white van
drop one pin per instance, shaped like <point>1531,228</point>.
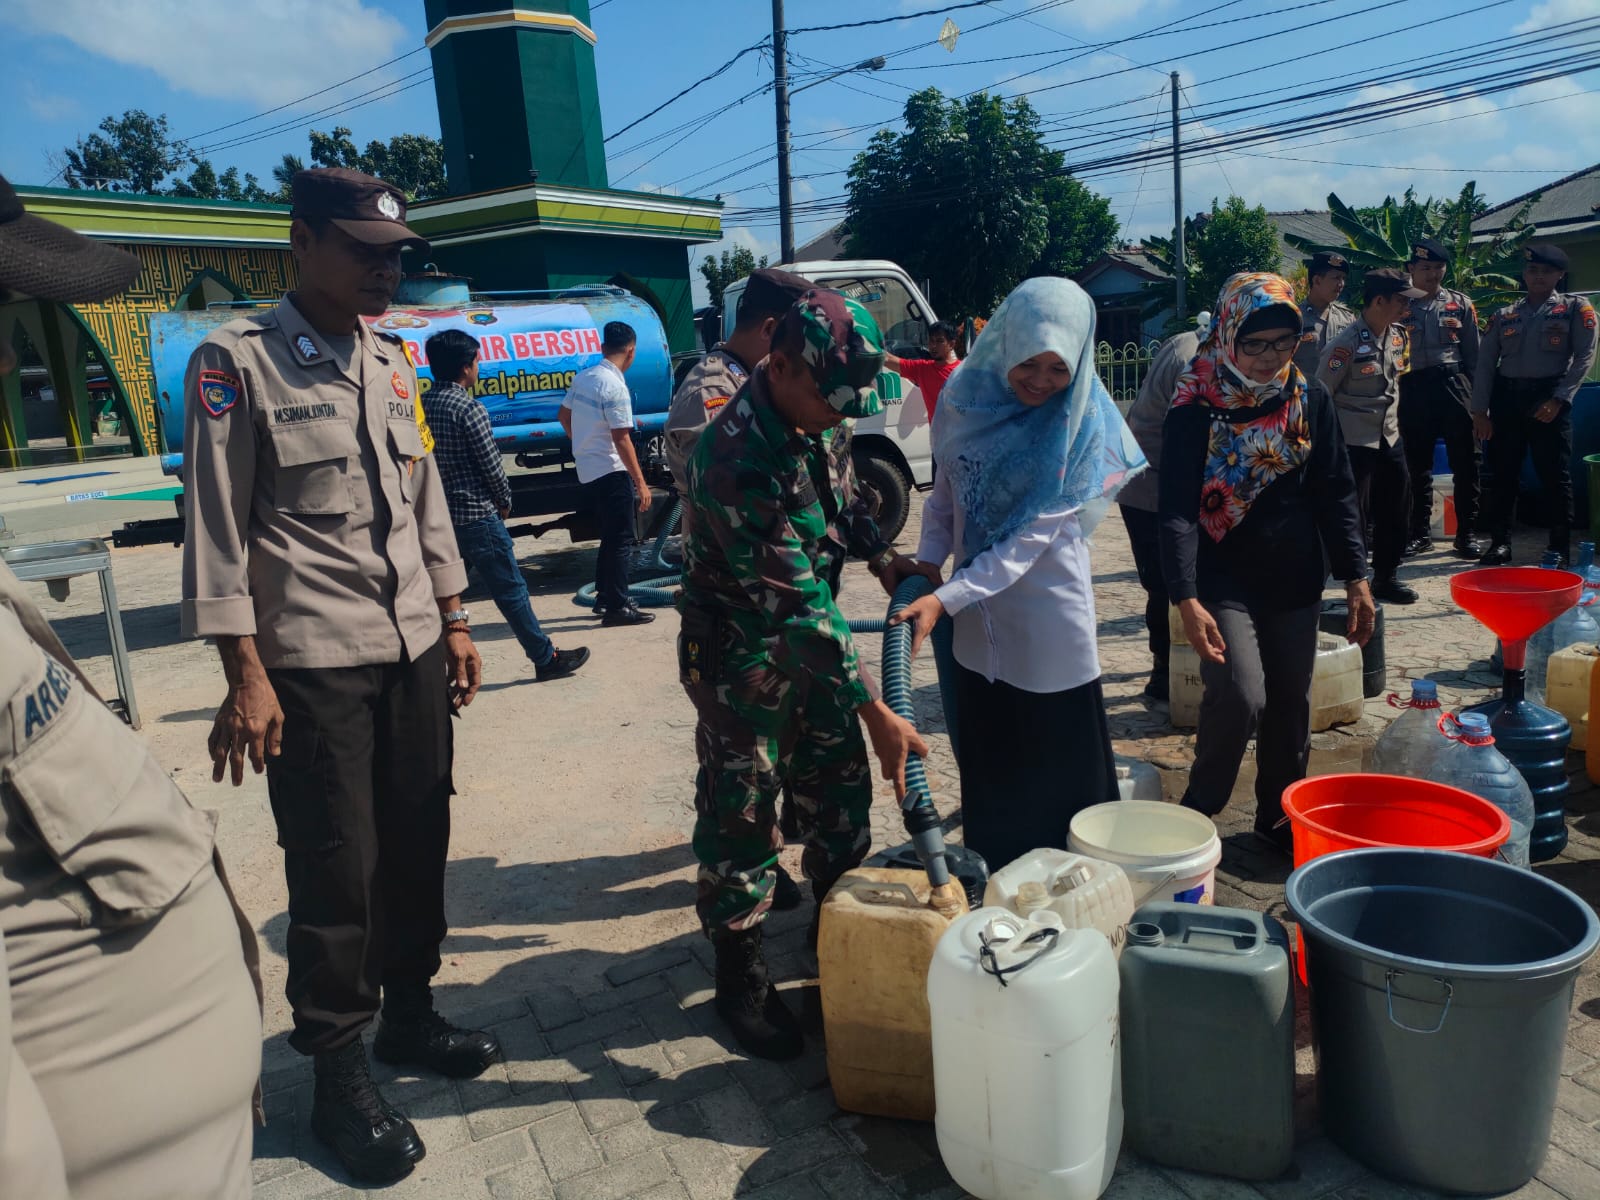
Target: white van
<point>892,452</point>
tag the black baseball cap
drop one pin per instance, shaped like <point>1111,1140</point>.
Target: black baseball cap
<point>365,207</point>
<point>1547,253</point>
<point>1426,249</point>
<point>1387,281</point>
<point>46,261</point>
<point>1327,260</point>
<point>772,291</point>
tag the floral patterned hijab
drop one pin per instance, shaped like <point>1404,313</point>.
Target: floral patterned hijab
<point>1259,432</point>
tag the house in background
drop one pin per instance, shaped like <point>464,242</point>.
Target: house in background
<point>1116,283</point>
<point>1568,213</point>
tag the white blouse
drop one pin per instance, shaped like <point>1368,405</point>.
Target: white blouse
<point>1024,608</point>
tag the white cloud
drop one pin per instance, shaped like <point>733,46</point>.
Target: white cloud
<point>251,51</point>
<point>1555,12</point>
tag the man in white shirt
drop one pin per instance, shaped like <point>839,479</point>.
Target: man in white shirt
<point>597,414</point>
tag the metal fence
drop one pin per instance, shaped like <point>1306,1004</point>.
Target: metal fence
<point>1122,368</point>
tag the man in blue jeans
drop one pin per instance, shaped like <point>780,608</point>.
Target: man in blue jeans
<point>479,495</point>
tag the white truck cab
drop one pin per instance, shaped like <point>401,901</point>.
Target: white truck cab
<point>892,451</point>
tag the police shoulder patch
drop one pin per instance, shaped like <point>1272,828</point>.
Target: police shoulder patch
<point>1338,361</point>
<point>1586,314</point>
<point>218,391</point>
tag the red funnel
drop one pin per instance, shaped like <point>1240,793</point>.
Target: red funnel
<point>1516,602</point>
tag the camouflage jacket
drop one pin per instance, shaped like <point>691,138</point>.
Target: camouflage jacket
<point>775,515</point>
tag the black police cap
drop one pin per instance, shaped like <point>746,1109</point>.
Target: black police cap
<point>1547,253</point>
<point>1387,281</point>
<point>1327,260</point>
<point>365,207</point>
<point>1426,249</point>
<point>773,292</point>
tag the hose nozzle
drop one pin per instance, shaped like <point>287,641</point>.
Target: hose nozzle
<point>927,835</point>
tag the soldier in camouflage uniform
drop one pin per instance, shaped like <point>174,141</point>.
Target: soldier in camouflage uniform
<point>764,653</point>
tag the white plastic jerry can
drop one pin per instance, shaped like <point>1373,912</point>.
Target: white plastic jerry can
<point>1026,1056</point>
<point>1084,892</point>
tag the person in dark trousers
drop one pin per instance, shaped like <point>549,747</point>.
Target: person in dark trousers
<point>1534,356</point>
<point>1140,499</point>
<point>1030,450</point>
<point>1435,395</point>
<point>1361,370</point>
<point>1257,501</point>
<point>597,414</point>
<point>479,495</point>
<point>319,554</point>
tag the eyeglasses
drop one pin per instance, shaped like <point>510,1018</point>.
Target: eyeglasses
<point>1255,346</point>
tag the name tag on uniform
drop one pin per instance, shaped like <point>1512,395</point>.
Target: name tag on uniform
<point>1367,368</point>
<point>294,414</point>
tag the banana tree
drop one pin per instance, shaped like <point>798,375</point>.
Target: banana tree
<point>1488,271</point>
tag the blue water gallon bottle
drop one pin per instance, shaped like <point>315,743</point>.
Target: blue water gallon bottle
<point>1535,739</point>
<point>1470,761</point>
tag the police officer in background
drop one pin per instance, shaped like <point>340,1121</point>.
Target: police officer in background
<point>1534,356</point>
<point>1435,395</point>
<point>130,1019</point>
<point>1322,316</point>
<point>721,372</point>
<point>1361,369</point>
<point>321,557</point>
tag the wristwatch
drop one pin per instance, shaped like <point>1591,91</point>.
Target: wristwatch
<point>456,616</point>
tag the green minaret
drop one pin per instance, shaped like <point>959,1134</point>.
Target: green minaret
<point>517,93</point>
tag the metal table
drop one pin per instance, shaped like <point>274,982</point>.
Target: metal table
<point>57,562</point>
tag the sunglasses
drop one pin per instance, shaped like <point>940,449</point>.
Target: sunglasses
<point>1255,346</point>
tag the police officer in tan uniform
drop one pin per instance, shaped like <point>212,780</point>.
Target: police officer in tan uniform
<point>321,557</point>
<point>1534,356</point>
<point>1361,369</point>
<point>1322,316</point>
<point>130,1025</point>
<point>1434,397</point>
<point>719,375</point>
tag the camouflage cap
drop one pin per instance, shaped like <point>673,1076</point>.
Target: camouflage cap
<point>842,346</point>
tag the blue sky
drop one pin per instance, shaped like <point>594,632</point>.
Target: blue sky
<point>214,63</point>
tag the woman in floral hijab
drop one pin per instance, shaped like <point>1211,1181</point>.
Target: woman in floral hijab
<point>1257,501</point>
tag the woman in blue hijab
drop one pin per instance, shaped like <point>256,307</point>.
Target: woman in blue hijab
<point>1029,451</point>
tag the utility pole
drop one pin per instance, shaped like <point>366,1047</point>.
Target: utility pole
<point>1179,263</point>
<point>780,62</point>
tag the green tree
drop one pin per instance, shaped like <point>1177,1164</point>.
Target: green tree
<point>734,265</point>
<point>413,162</point>
<point>1383,236</point>
<point>970,197</point>
<point>204,183</point>
<point>1232,237</point>
<point>283,175</point>
<point>131,153</point>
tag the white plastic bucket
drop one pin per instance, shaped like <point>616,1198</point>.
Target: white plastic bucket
<point>1168,852</point>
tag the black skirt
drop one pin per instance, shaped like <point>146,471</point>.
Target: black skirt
<point>1030,762</point>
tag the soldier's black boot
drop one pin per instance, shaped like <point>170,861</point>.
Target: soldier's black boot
<point>785,891</point>
<point>410,1032</point>
<point>757,1017</point>
<point>371,1137</point>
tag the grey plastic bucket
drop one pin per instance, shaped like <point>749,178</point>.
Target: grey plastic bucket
<point>1441,986</point>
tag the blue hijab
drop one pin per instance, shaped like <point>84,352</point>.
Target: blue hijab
<point>1008,462</point>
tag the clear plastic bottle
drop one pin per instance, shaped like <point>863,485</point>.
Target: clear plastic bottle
<point>1575,627</point>
<point>1413,741</point>
<point>1471,762</point>
<point>1587,567</point>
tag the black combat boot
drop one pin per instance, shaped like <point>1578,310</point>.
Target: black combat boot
<point>371,1137</point>
<point>758,1018</point>
<point>785,891</point>
<point>410,1032</point>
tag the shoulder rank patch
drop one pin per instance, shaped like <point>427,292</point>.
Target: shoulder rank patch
<point>399,386</point>
<point>308,348</point>
<point>218,390</point>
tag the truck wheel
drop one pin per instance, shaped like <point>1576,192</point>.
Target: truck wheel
<point>887,490</point>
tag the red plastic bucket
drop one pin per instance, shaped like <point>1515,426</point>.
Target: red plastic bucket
<point>1329,813</point>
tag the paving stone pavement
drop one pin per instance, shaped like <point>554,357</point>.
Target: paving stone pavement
<point>623,1085</point>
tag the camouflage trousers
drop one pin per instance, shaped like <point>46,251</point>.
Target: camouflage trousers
<point>757,735</point>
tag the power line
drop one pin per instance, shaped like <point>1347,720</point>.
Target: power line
<point>680,95</point>
<point>927,12</point>
<point>372,96</point>
<point>303,99</point>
